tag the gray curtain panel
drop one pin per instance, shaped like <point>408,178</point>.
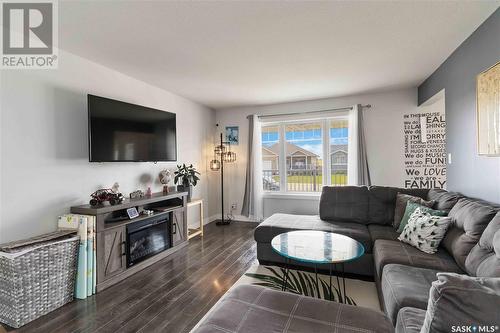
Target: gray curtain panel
<point>247,206</point>
<point>363,169</point>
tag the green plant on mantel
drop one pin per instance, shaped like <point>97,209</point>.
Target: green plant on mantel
<point>186,175</point>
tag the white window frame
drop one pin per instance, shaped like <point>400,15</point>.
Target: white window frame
<point>326,169</point>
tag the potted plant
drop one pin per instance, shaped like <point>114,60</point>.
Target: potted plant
<point>186,177</point>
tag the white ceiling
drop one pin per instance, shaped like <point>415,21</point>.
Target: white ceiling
<point>225,54</point>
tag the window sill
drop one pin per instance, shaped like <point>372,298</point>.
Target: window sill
<point>292,196</point>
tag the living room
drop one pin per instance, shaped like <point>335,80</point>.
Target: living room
<point>220,166</point>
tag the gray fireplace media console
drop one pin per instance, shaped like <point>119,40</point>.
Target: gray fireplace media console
<point>125,246</point>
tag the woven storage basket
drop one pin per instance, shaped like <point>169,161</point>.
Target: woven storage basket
<point>37,276</point>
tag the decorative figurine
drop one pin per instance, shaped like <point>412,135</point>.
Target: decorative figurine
<point>137,194</point>
<point>165,178</point>
<point>115,187</point>
<point>148,212</point>
<point>106,194</point>
<point>149,193</point>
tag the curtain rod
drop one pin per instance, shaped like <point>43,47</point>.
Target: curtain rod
<point>367,106</point>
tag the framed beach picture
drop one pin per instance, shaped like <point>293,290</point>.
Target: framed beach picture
<point>488,111</point>
<point>233,135</point>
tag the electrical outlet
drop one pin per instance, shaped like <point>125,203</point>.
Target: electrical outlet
<point>233,206</point>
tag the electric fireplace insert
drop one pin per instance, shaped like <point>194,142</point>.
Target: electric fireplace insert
<point>147,238</point>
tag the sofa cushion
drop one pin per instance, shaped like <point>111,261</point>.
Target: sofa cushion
<point>461,300</point>
<point>484,258</point>
<point>404,286</point>
<point>410,320</point>
<point>280,223</point>
<point>378,231</point>
<point>470,218</point>
<point>250,308</point>
<point>444,200</point>
<point>344,203</point>
<point>382,202</point>
<point>394,252</point>
<point>400,208</point>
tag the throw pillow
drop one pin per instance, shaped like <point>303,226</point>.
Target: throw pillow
<point>425,231</point>
<point>410,208</point>
<point>401,201</point>
<point>462,301</point>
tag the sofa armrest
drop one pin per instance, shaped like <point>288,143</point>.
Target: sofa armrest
<point>461,300</point>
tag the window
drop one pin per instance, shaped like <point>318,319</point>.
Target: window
<point>339,158</point>
<point>270,158</point>
<point>304,157</point>
<point>338,151</point>
<point>297,149</point>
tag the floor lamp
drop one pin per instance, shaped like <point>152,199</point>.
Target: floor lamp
<point>222,154</point>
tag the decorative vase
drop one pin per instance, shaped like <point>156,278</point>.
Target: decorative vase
<point>188,189</point>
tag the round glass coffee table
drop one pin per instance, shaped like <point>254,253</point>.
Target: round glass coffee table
<point>318,247</point>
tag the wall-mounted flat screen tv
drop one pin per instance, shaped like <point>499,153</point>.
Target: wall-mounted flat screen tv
<point>124,132</point>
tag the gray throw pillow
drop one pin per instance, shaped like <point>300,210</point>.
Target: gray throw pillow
<point>401,201</point>
<point>425,231</point>
<point>459,302</point>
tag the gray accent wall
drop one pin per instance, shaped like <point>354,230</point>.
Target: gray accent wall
<point>469,173</point>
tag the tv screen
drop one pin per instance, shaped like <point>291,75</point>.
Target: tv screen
<point>124,132</point>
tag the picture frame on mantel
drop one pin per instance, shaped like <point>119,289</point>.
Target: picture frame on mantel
<point>488,111</point>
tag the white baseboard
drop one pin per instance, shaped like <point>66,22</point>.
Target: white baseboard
<point>212,219</point>
<point>206,220</point>
<point>239,218</point>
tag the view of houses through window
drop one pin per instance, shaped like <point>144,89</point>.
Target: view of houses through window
<point>300,148</point>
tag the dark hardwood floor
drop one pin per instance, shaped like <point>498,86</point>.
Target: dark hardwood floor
<point>169,296</point>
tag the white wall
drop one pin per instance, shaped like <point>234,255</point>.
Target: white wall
<point>44,153</point>
<point>384,135</point>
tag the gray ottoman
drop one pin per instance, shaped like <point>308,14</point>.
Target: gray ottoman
<point>257,309</point>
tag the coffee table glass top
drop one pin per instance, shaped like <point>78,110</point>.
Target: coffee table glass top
<point>318,247</point>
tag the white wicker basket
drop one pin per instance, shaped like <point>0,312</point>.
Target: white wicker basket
<point>37,276</point>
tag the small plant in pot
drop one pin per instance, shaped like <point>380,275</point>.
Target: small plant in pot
<point>186,177</point>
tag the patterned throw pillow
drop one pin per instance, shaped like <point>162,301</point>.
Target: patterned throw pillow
<point>400,207</point>
<point>410,208</point>
<point>425,231</point>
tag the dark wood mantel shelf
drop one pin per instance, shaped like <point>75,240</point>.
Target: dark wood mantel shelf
<point>127,203</point>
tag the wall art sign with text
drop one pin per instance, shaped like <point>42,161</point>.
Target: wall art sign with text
<point>425,150</point>
<point>29,34</point>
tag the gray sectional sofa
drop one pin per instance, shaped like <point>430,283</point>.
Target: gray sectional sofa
<point>404,275</point>
<point>363,213</point>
